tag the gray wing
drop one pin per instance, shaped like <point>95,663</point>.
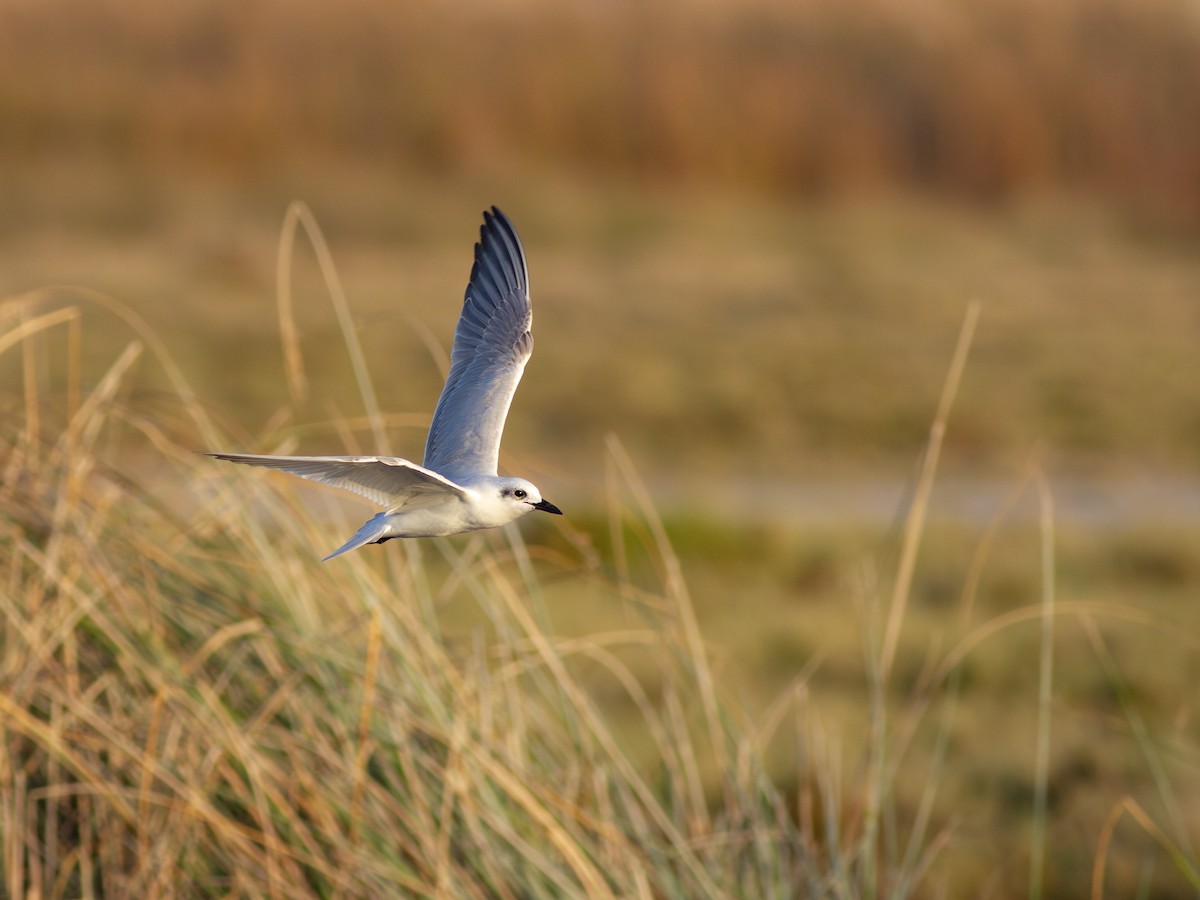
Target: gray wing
<point>385,480</point>
<point>491,346</point>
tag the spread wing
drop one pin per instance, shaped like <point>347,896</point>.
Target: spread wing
<point>491,346</point>
<point>385,480</point>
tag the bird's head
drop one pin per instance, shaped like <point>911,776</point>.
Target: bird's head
<point>521,493</point>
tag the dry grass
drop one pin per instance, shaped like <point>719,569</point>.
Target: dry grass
<point>193,704</point>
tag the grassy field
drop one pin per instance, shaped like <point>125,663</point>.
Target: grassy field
<point>808,627</point>
<point>685,702</point>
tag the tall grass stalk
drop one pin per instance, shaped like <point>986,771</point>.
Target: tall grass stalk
<point>298,214</point>
<point>1041,769</point>
<point>881,659</point>
<point>914,526</point>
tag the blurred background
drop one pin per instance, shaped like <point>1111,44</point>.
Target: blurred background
<point>753,228</point>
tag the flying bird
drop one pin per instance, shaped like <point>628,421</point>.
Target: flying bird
<point>456,488</point>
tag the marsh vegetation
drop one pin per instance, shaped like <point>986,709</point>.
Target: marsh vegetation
<point>694,685</point>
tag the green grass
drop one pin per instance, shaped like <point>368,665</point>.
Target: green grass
<point>626,703</point>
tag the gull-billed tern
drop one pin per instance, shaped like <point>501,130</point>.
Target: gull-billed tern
<point>457,488</point>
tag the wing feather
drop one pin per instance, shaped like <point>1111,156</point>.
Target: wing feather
<point>385,480</point>
<point>492,343</point>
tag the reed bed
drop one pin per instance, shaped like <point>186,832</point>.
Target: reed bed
<point>986,101</point>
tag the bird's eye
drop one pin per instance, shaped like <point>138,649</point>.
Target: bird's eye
<point>519,493</point>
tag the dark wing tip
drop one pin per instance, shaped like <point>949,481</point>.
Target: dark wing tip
<point>499,256</point>
<point>495,222</point>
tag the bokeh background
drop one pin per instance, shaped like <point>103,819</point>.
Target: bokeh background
<point>754,229</point>
<point>770,217</point>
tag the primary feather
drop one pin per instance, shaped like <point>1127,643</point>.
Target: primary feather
<point>492,344</point>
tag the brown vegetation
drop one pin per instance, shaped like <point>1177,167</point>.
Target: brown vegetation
<point>980,100</point>
<point>191,704</point>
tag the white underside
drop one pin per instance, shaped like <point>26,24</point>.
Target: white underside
<point>435,515</point>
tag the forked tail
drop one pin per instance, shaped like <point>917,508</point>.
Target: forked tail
<point>374,529</point>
